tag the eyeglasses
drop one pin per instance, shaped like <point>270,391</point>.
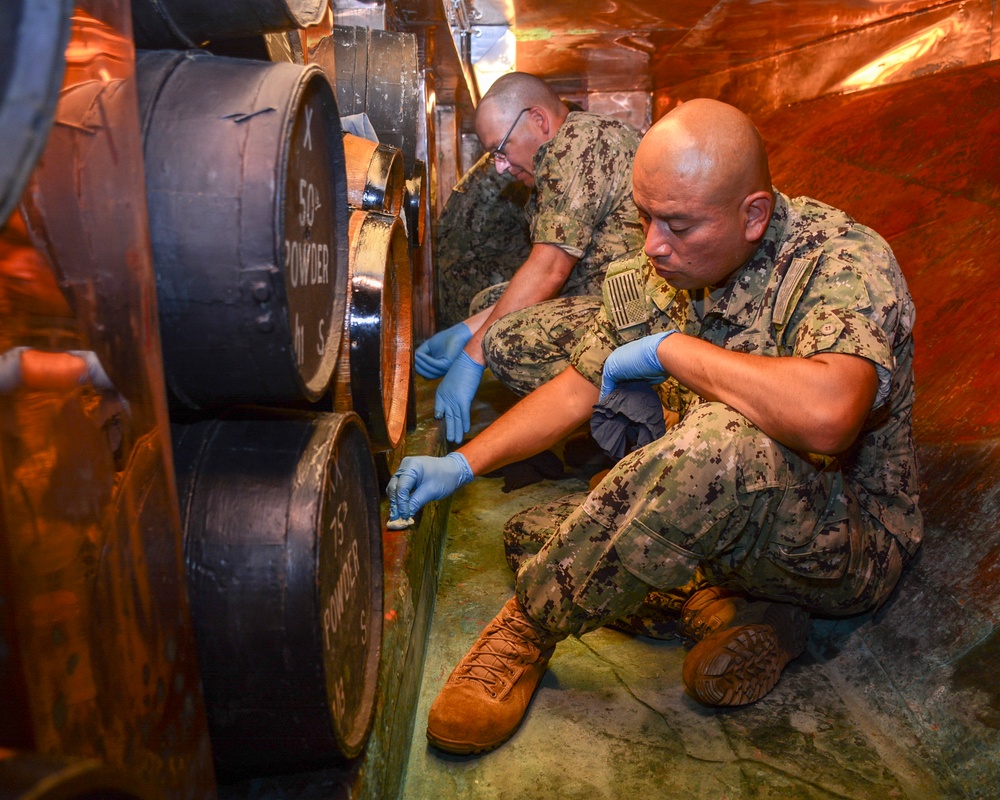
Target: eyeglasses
<point>497,152</point>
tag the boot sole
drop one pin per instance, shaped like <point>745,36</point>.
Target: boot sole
<point>739,666</point>
<point>466,748</point>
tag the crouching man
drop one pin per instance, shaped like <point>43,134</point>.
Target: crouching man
<point>791,483</point>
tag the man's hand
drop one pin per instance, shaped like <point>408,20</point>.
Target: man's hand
<point>421,479</point>
<point>634,361</point>
<point>453,400</point>
<point>435,356</point>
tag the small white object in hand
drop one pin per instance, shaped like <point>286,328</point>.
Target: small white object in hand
<point>399,524</point>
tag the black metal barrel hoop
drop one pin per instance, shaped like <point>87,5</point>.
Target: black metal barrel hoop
<point>373,373</point>
<point>189,23</point>
<point>33,37</point>
<point>246,189</point>
<point>282,542</point>
<point>415,203</point>
<point>375,175</point>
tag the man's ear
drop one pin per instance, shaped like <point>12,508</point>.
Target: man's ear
<point>757,209</point>
<point>541,117</point>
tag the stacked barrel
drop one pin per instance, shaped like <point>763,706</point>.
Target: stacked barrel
<point>283,287</point>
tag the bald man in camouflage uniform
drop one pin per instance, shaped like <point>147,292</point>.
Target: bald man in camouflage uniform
<point>792,483</point>
<point>582,218</point>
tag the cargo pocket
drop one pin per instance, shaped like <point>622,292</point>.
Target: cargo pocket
<point>814,544</point>
<point>654,559</point>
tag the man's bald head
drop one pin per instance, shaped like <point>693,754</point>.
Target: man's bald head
<point>516,90</point>
<point>521,112</point>
<point>709,145</point>
<point>703,190</point>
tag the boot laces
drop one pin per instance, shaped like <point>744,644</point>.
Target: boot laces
<point>495,657</point>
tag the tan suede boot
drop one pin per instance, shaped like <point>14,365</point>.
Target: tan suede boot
<point>484,699</point>
<point>741,661</point>
<point>708,610</point>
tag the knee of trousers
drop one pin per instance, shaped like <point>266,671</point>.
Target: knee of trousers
<point>527,348</point>
<point>693,490</point>
<point>527,531</point>
<point>520,358</point>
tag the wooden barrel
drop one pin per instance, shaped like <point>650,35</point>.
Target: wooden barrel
<point>375,180</point>
<point>190,23</point>
<point>288,46</point>
<point>373,371</point>
<point>247,193</point>
<point>377,72</point>
<point>282,541</point>
<point>33,37</point>
<point>417,219</point>
<point>44,776</point>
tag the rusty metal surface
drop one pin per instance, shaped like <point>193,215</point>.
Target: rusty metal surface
<point>92,585</point>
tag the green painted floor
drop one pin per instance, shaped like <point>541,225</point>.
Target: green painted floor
<point>611,718</point>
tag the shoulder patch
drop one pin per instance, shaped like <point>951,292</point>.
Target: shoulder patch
<point>625,299</point>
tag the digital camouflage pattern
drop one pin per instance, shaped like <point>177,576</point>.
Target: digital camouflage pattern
<point>487,297</point>
<point>657,615</point>
<point>583,197</point>
<point>717,493</point>
<point>528,347</point>
<point>481,238</point>
<point>582,202</point>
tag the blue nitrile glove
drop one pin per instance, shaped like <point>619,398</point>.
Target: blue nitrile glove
<point>95,370</point>
<point>421,479</point>
<point>453,400</point>
<point>634,361</point>
<point>435,356</point>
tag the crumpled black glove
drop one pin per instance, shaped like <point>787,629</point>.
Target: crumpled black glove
<point>531,470</point>
<point>631,416</point>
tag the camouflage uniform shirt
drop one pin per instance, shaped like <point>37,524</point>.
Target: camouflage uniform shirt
<point>819,283</point>
<point>583,197</point>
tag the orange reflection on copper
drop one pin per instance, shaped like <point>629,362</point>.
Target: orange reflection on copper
<point>883,68</point>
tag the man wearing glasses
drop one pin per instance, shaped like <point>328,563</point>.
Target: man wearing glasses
<point>578,166</point>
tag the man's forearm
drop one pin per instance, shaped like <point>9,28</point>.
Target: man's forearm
<point>815,404</point>
<point>534,424</point>
<point>539,278</point>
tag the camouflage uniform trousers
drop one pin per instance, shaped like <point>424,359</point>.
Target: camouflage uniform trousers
<point>487,297</point>
<point>716,493</point>
<point>527,531</point>
<point>530,347</point>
